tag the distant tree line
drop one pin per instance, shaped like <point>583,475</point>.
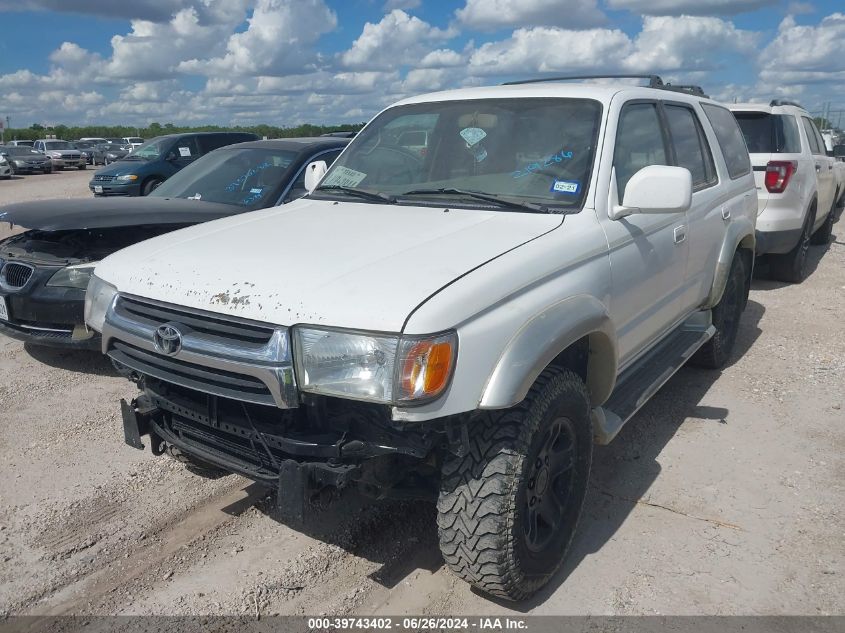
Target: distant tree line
<point>71,133</point>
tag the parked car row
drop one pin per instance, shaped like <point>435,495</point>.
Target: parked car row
<point>456,306</point>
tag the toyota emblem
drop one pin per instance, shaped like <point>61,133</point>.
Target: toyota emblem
<point>167,339</point>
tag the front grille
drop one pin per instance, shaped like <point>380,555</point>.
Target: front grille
<point>212,328</point>
<point>220,355</point>
<point>102,178</point>
<point>72,156</point>
<point>16,275</point>
<point>206,379</point>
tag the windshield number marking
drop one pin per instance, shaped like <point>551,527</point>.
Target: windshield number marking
<point>537,166</point>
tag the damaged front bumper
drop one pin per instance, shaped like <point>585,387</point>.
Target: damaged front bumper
<point>297,454</point>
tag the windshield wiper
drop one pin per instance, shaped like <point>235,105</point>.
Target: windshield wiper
<point>360,193</point>
<point>487,197</point>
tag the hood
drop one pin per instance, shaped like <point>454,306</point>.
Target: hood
<point>29,158</point>
<point>63,152</point>
<point>98,213</point>
<point>353,265</point>
<point>130,166</point>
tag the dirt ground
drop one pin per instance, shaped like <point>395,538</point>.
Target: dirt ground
<point>725,495</point>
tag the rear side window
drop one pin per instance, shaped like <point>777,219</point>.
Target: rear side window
<point>691,148</point>
<point>766,133</point>
<point>214,141</point>
<point>819,139</point>
<point>639,142</point>
<point>812,139</point>
<point>730,140</point>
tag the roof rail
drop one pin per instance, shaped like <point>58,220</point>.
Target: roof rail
<point>783,102</point>
<point>654,81</point>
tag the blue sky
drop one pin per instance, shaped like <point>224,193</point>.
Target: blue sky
<point>286,62</point>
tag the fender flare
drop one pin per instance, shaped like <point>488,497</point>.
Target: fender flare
<point>740,233</point>
<point>542,338</point>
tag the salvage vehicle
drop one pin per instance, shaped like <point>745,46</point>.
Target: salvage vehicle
<point>25,160</point>
<point>62,153</point>
<point>44,271</point>
<point>460,325</point>
<point>797,183</point>
<point>145,168</point>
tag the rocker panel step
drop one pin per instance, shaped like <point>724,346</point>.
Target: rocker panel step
<point>647,375</point>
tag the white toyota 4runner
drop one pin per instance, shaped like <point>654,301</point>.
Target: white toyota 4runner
<point>458,321</point>
<point>797,183</point>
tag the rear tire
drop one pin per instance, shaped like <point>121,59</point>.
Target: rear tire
<point>508,508</point>
<point>792,266</point>
<point>726,314</point>
<point>822,236</point>
<point>81,167</point>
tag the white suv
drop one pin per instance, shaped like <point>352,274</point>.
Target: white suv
<point>460,324</point>
<point>796,184</point>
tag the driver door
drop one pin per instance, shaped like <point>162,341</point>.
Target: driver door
<point>648,252</point>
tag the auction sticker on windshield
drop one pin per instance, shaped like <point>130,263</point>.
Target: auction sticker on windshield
<point>565,186</point>
<point>344,177</point>
<point>4,311</point>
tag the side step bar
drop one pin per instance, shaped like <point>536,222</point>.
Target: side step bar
<point>648,374</point>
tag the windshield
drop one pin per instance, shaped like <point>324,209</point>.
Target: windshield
<point>58,145</point>
<point>134,139</point>
<point>247,177</point>
<point>20,151</point>
<point>111,147</point>
<point>153,149</point>
<point>517,150</point>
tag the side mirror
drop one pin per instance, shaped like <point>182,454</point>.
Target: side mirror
<point>314,174</point>
<point>656,189</point>
<point>839,151</point>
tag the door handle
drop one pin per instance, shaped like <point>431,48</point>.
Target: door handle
<point>818,168</point>
<point>726,213</point>
<point>830,167</point>
<point>680,234</point>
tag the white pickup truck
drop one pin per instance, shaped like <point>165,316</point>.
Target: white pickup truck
<point>459,322</point>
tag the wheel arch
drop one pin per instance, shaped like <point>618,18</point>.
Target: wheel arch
<point>739,238</point>
<point>575,333</point>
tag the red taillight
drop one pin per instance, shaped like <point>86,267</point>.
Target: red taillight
<point>778,174</point>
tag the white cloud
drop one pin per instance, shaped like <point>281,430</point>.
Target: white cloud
<point>154,50</point>
<point>691,7</point>
<point>806,54</point>
<point>398,39</point>
<point>279,39</point>
<point>665,43</point>
<point>491,15</point>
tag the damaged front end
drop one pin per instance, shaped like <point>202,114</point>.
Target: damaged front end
<point>43,277</point>
<point>326,444</point>
<point>223,389</point>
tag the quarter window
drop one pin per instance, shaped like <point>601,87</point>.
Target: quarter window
<point>730,140</point>
<point>810,129</point>
<point>639,143</point>
<point>691,148</point>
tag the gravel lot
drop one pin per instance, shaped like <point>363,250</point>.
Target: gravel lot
<point>725,495</point>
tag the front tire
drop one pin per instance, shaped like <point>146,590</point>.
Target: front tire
<point>508,508</point>
<point>150,186</point>
<point>726,314</point>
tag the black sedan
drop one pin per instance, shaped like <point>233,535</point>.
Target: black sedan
<point>107,153</point>
<point>44,271</point>
<point>25,160</point>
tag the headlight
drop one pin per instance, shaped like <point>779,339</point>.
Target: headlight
<point>20,163</point>
<point>55,154</point>
<point>126,178</point>
<point>379,368</point>
<point>73,276</point>
<point>98,299</point>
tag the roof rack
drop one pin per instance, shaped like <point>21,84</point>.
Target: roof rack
<point>783,102</point>
<point>654,81</point>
